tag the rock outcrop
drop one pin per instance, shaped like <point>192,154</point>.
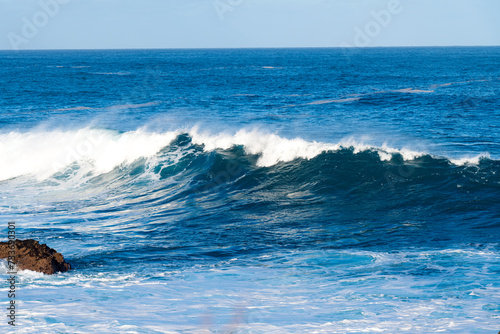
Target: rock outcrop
<point>31,255</point>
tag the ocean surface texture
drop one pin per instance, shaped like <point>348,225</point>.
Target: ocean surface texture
<point>255,191</point>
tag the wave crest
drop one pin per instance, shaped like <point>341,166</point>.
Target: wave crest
<point>45,153</point>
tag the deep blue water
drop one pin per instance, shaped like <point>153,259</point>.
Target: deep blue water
<point>256,191</point>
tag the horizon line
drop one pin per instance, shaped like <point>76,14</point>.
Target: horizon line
<point>251,47</point>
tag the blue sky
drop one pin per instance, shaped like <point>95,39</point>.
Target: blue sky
<point>97,24</point>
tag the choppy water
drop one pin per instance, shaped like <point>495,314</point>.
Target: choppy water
<point>255,191</point>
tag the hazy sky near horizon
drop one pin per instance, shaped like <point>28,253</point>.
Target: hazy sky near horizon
<point>110,24</point>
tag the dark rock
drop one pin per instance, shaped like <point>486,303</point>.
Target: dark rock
<point>31,255</point>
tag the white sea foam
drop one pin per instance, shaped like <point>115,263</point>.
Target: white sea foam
<point>386,152</point>
<point>297,292</point>
<point>272,148</point>
<point>45,153</point>
<point>470,160</point>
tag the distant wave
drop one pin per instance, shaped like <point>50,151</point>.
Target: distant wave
<point>117,106</point>
<point>112,73</point>
<point>410,90</point>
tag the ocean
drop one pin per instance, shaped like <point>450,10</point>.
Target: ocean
<point>255,190</point>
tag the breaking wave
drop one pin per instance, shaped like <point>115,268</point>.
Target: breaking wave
<point>42,154</point>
